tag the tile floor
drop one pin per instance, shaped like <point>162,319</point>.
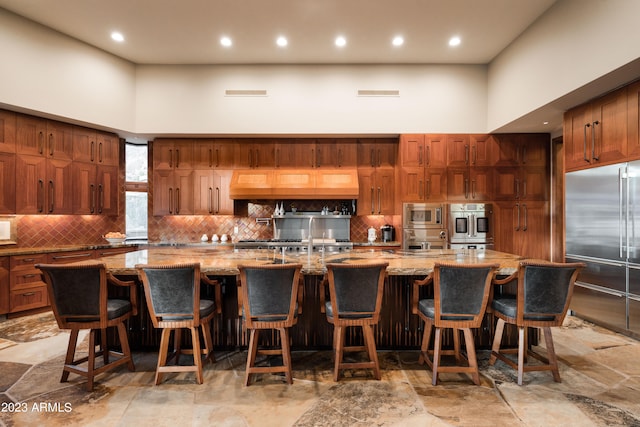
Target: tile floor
<point>600,387</point>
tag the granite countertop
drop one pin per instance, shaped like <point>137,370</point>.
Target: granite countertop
<point>9,251</point>
<point>225,262</point>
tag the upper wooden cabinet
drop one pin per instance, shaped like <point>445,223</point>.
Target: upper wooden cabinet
<point>91,146</point>
<point>211,192</point>
<point>95,189</point>
<point>596,133</point>
<point>376,191</point>
<point>45,138</point>
<point>470,150</point>
<point>46,185</point>
<point>251,154</point>
<point>7,183</point>
<point>633,121</point>
<point>7,131</point>
<point>377,153</point>
<point>521,149</point>
<point>213,153</point>
<point>169,154</point>
<point>412,150</point>
<point>316,153</point>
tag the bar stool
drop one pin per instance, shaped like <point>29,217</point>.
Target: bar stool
<point>172,293</point>
<point>79,299</point>
<point>269,301</point>
<point>461,293</point>
<point>355,292</point>
<point>542,300</point>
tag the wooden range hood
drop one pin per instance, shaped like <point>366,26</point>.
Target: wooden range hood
<point>294,184</point>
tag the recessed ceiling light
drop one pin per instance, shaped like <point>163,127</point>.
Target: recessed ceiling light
<point>545,123</point>
<point>397,41</point>
<point>225,41</point>
<point>116,36</point>
<point>341,41</point>
<point>454,41</point>
<point>282,41</point>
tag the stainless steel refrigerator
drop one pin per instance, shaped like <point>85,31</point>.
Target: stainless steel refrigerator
<point>603,230</point>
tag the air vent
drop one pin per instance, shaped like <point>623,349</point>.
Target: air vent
<point>370,92</point>
<point>245,92</point>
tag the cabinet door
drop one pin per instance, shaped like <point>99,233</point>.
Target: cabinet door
<point>108,194</point>
<point>4,285</point>
<point>59,141</point>
<point>534,184</point>
<point>59,187</point>
<point>255,155</point>
<point>458,185</point>
<point>173,155</point>
<point>609,124</point>
<point>347,153</point>
<point>481,183</point>
<point>214,153</point>
<point>7,183</point>
<point>458,151</point>
<point>411,184</point>
<point>295,153</point>
<point>435,184</point>
<point>507,183</point>
<point>84,188</point>
<point>203,193</point>
<point>532,241</point>
<point>163,197</point>
<point>30,135</point>
<point>412,150</point>
<point>108,149</point>
<point>435,151</point>
<point>7,131</point>
<point>385,191</point>
<point>84,144</point>
<point>326,154</point>
<point>30,179</point>
<point>173,192</point>
<point>633,121</point>
<point>481,149</point>
<point>367,191</point>
<point>576,134</point>
<point>223,204</point>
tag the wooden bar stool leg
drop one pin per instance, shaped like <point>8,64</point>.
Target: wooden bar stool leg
<point>456,345</point>
<point>339,350</point>
<point>426,339</point>
<point>124,343</point>
<point>371,349</point>
<point>104,345</point>
<point>521,350</point>
<point>177,344</point>
<point>497,339</point>
<point>286,353</point>
<point>162,356</point>
<point>436,355</point>
<point>551,354</point>
<point>471,355</point>
<point>91,362</point>
<point>208,342</point>
<point>197,355</point>
<point>71,352</point>
<point>251,355</point>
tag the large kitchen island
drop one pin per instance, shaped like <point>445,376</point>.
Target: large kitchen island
<point>398,328</point>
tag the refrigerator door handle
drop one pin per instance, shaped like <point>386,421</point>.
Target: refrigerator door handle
<point>621,176</point>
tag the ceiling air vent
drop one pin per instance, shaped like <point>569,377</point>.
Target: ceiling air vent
<point>371,92</point>
<point>245,92</point>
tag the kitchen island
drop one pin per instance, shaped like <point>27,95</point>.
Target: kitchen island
<point>398,328</point>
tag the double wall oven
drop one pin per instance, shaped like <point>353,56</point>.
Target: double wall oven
<point>471,226</point>
<point>423,226</point>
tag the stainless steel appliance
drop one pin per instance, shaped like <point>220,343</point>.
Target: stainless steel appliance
<point>292,232</point>
<point>602,229</point>
<point>388,233</point>
<point>423,226</point>
<point>471,226</point>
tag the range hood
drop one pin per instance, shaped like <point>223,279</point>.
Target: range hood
<point>294,184</point>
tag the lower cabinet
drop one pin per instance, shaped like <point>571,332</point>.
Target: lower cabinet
<point>27,290</point>
<point>4,285</point>
<point>603,307</point>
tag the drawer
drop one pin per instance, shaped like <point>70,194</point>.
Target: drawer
<point>27,261</point>
<point>113,251</point>
<point>72,256</point>
<point>29,298</point>
<point>25,278</point>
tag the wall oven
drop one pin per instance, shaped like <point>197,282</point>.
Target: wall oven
<point>471,226</point>
<point>423,226</point>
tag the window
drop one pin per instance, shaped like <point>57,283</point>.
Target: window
<point>136,190</point>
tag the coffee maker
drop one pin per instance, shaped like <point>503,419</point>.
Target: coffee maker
<point>388,233</point>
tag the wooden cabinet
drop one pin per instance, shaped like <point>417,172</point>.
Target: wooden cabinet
<point>523,228</point>
<point>169,154</point>
<point>633,121</point>
<point>7,183</point>
<point>211,192</point>
<point>27,290</point>
<point>422,175</point>
<point>95,189</point>
<point>99,253</point>
<point>7,131</point>
<point>295,153</point>
<point>213,153</point>
<point>45,185</point>
<point>316,153</point>
<point>470,150</point>
<point>91,146</point>
<point>5,286</point>
<point>173,192</point>
<point>255,155</point>
<point>596,133</point>
<point>376,191</point>
<point>469,183</point>
<point>377,153</point>
<point>45,138</point>
<point>522,167</point>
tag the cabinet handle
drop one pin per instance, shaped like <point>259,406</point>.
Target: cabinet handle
<point>28,260</point>
<point>210,201</point>
<point>93,149</point>
<point>524,189</point>
<point>100,159</point>
<point>82,255</point>
<point>584,143</point>
<point>379,200</point>
<point>277,157</point>
<point>593,141</point>
<point>28,294</point>
<point>379,157</point>
<point>473,188</point>
<point>373,158</point>
<point>177,158</point>
<point>211,157</point>
<point>339,157</point>
<point>428,153</point>
<point>517,217</point>
<point>257,157</point>
<point>217,199</point>
<point>40,143</point>
<point>466,154</point>
<point>178,200</point>
<point>319,158</point>
<point>51,144</point>
<point>100,198</point>
<point>51,196</point>
<point>40,196</point>
<point>313,156</point>
<point>29,276</point>
<point>466,188</point>
<point>170,200</point>
<point>171,158</point>
<point>428,189</point>
<point>217,157</point>
<point>420,188</point>
<point>526,217</point>
<point>92,198</point>
<point>372,202</point>
<point>474,155</point>
<point>517,188</point>
<point>420,155</point>
<point>524,155</point>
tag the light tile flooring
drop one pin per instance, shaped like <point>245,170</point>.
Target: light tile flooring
<point>600,386</point>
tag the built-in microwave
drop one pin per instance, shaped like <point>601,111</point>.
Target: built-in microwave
<point>422,215</point>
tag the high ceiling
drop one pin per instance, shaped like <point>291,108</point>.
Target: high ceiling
<point>189,31</point>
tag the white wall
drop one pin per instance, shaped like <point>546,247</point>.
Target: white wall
<point>575,42</point>
<point>49,73</point>
<point>310,99</point>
